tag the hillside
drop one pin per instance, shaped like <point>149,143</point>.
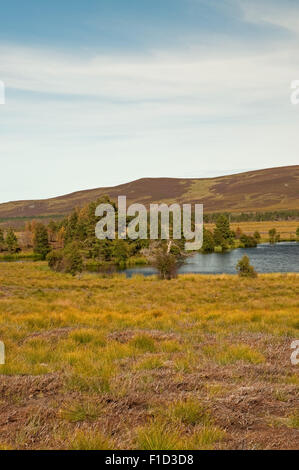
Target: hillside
<point>261,190</point>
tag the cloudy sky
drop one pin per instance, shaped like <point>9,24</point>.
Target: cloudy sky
<point>101,92</point>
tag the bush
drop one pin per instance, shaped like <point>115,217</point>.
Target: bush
<point>274,237</point>
<point>246,241</point>
<point>68,260</point>
<point>55,260</point>
<point>245,269</point>
<point>167,259</point>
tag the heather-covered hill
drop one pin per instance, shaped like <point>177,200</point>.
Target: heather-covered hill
<point>262,190</point>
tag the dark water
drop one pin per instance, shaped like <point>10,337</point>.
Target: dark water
<point>266,258</point>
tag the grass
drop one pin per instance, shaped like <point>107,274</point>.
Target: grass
<point>81,411</point>
<point>153,364</point>
<point>293,420</point>
<point>157,435</point>
<point>286,228</point>
<point>229,354</point>
<point>206,438</point>
<point>90,440</point>
<point>189,412</point>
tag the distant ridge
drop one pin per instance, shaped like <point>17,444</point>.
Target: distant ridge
<point>261,190</point>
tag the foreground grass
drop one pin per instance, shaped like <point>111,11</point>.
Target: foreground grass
<point>199,362</point>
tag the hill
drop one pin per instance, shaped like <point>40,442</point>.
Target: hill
<point>261,190</point>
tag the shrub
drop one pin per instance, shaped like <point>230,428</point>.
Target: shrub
<point>167,259</point>
<point>247,241</point>
<point>274,237</point>
<point>244,268</point>
<point>55,260</point>
<point>68,260</point>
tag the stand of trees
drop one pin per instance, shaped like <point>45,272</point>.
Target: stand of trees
<point>254,216</point>
<point>223,238</point>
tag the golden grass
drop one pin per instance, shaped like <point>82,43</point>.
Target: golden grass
<point>89,440</point>
<point>123,347</point>
<point>286,228</point>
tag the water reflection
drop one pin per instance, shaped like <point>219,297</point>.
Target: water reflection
<point>266,258</point>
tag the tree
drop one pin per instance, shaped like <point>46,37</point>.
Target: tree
<point>72,259</point>
<point>223,226</point>
<point>245,269</point>
<point>12,242</point>
<point>120,252</point>
<point>40,241</point>
<point>272,235</point>
<point>297,234</point>
<point>208,243</point>
<point>52,231</point>
<point>167,258</point>
<point>2,242</point>
<point>222,233</point>
<point>257,236</point>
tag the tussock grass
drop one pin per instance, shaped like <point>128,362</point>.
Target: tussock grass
<point>144,343</point>
<point>149,363</point>
<point>156,436</point>
<point>4,446</point>
<point>90,440</point>
<point>81,411</point>
<point>293,420</point>
<point>189,412</point>
<point>205,438</point>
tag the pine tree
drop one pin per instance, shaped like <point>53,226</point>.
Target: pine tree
<point>72,259</point>
<point>208,244</point>
<point>2,242</point>
<point>12,241</point>
<point>40,241</point>
<point>223,235</point>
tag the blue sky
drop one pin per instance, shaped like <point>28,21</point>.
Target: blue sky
<point>103,92</point>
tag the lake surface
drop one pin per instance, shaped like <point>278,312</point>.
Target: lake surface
<point>266,258</point>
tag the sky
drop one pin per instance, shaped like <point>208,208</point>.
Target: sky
<point>102,92</point>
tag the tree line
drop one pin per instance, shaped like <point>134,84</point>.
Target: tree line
<point>70,244</point>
